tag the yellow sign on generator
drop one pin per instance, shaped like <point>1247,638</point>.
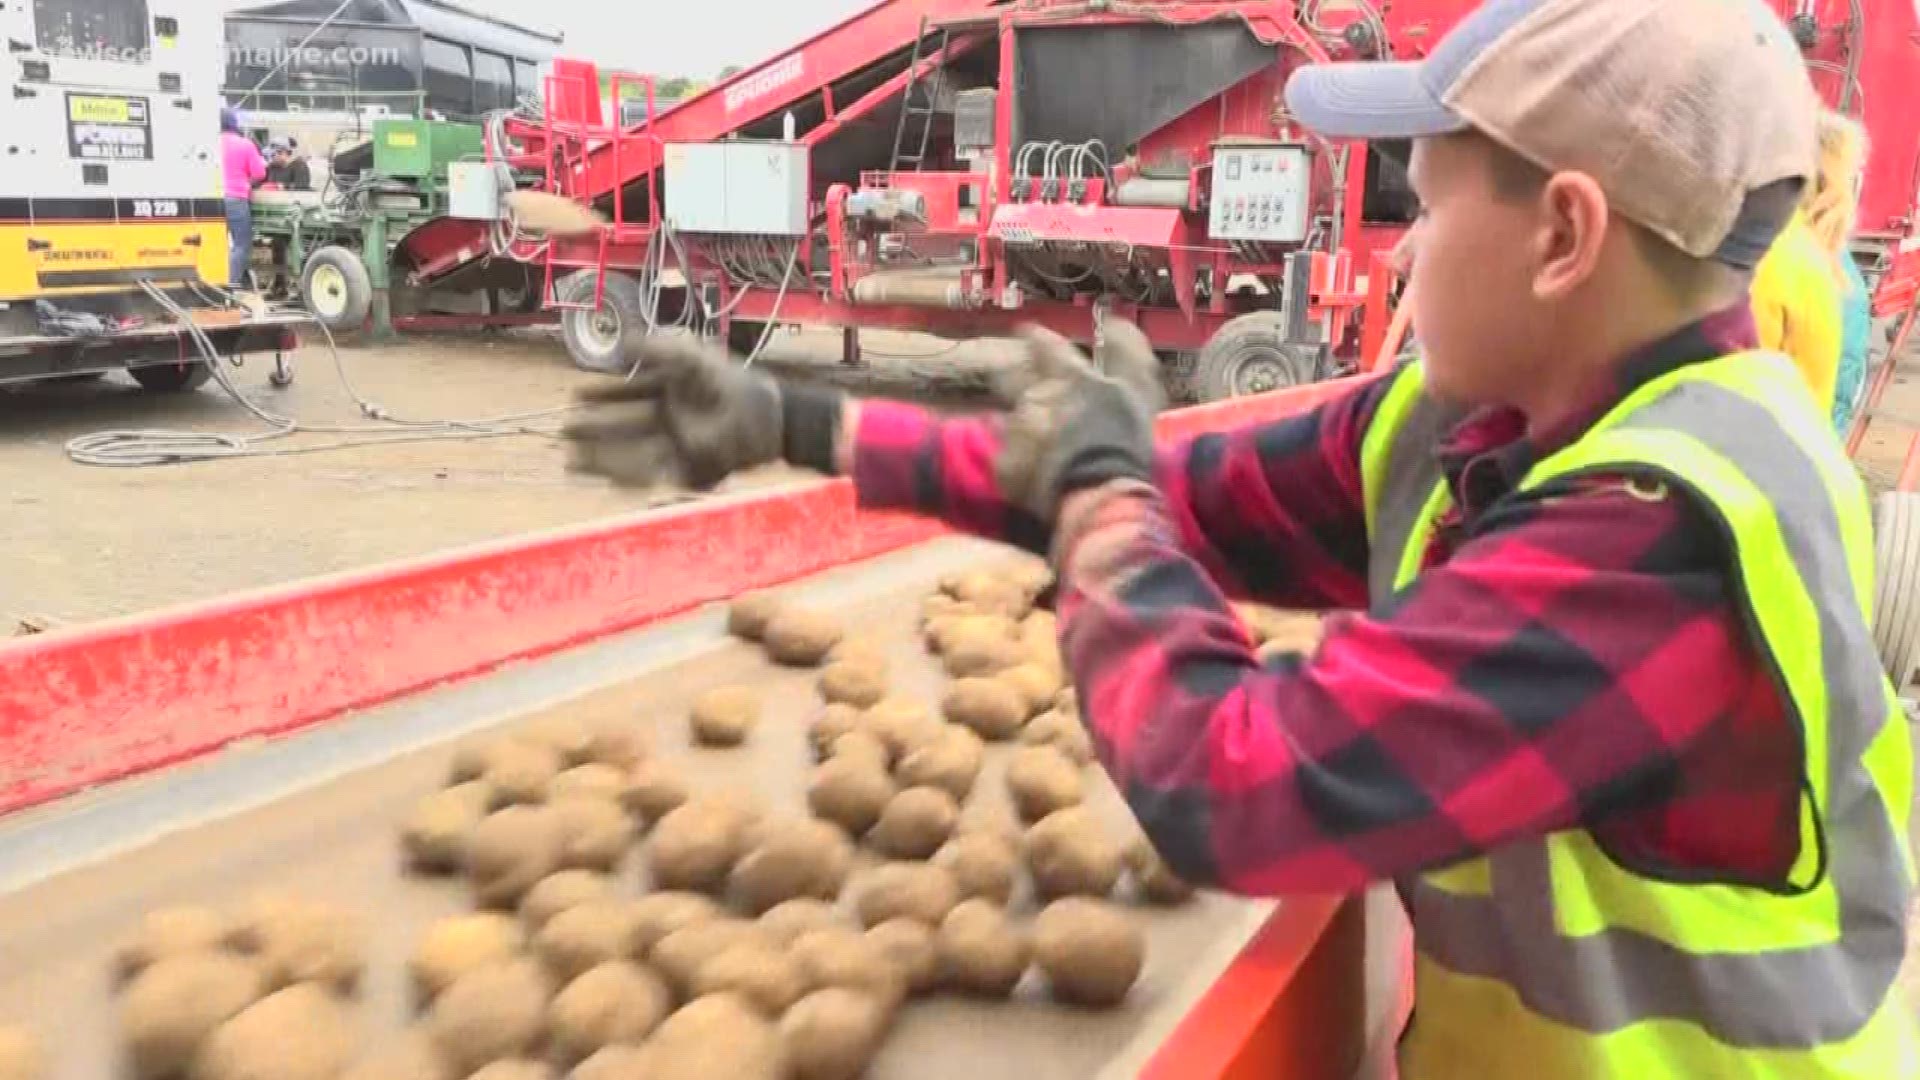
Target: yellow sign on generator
<point>403,139</point>
<point>99,110</point>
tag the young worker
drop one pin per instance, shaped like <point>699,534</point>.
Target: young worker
<point>1797,308</point>
<point>1832,207</point>
<point>1612,717</point>
<point>242,169</point>
<point>286,169</point>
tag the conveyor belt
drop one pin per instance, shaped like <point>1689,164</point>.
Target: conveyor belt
<point>316,814</point>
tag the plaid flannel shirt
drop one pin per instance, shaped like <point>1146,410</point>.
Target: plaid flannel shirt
<point>1574,656</point>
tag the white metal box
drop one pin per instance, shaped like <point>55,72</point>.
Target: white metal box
<point>737,187</point>
<point>1260,193</point>
<point>473,190</point>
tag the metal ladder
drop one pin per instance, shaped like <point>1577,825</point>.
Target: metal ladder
<point>931,87</point>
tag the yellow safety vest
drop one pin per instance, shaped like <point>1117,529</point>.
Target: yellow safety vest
<point>1549,959</point>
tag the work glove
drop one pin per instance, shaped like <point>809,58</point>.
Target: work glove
<point>1070,426</point>
<point>691,416</point>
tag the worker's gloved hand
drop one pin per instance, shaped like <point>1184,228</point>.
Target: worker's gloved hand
<point>1070,426</point>
<point>691,416</point>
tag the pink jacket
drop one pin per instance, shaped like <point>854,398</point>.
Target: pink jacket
<point>241,164</point>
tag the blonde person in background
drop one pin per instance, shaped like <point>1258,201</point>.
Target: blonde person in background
<point>1796,303</point>
<point>1832,208</point>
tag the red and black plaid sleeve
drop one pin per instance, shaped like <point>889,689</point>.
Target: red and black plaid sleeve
<point>1274,512</point>
<point>1578,661</point>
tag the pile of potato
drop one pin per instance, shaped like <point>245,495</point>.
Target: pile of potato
<point>750,943</point>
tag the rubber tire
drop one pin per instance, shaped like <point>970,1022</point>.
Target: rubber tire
<point>1254,337</point>
<point>172,378</point>
<point>1896,605</point>
<point>355,287</point>
<point>592,349</point>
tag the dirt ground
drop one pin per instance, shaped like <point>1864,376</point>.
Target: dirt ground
<point>89,543</point>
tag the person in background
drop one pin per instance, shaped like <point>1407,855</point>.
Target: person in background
<point>243,169</point>
<point>1796,306</point>
<point>1832,209</point>
<point>286,169</point>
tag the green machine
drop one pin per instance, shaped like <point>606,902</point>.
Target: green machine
<point>334,248</point>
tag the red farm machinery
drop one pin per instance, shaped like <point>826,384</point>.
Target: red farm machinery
<point>964,166</point>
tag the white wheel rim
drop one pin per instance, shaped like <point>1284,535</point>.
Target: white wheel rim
<point>329,287</point>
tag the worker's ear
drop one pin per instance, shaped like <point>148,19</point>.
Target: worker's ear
<point>1574,220</point>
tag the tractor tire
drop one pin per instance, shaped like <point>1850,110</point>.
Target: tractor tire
<point>1896,606</point>
<point>596,340</point>
<point>182,378</point>
<point>337,289</point>
<point>1250,355</point>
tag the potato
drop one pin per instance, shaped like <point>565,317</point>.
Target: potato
<point>1089,950</point>
<point>21,1057</point>
<point>680,955</point>
<point>582,938</point>
<point>694,848</point>
<point>748,616</point>
<point>951,763</point>
<point>653,790</point>
<point>866,649</point>
<point>718,1037</point>
<point>301,941</point>
<point>852,682</point>
<point>863,746</point>
<point>915,823</point>
<point>833,1034</point>
<point>1042,780</point>
<point>902,725</point>
<point>766,977</point>
<point>657,915</point>
<point>990,592</point>
<point>849,960</point>
<point>459,944</point>
<point>909,945</point>
<point>993,820</point>
<point>494,1013</point>
<point>616,1063</point>
<point>921,892</point>
<point>994,710</point>
<point>597,833</point>
<point>851,793</point>
<point>1063,732</point>
<point>792,859</point>
<point>1037,686</point>
<point>984,866</point>
<point>1153,880</point>
<point>1069,855</point>
<point>564,735</point>
<point>175,1003</point>
<point>521,772</point>
<point>592,780</point>
<point>511,851</point>
<point>801,638</point>
<point>515,1069</point>
<point>556,893</point>
<point>408,1057</point>
<point>471,759</point>
<point>982,954</point>
<point>300,1033</point>
<point>837,719</point>
<point>435,835</point>
<point>616,1003</point>
<point>724,717</point>
<point>618,746</point>
<point>168,932</point>
<point>978,656</point>
<point>789,919</point>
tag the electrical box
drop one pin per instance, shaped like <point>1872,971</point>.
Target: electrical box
<point>473,190</point>
<point>973,119</point>
<point>1260,193</point>
<point>406,149</point>
<point>738,187</point>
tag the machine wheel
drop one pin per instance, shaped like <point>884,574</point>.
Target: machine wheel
<point>594,338</point>
<point>1251,355</point>
<point>172,378</point>
<point>337,288</point>
<point>1896,607</point>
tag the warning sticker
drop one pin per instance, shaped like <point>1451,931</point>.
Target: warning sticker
<point>109,128</point>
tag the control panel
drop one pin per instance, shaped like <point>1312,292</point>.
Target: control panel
<point>1260,193</point>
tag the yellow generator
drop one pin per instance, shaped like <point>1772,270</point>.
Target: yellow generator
<point>113,235</point>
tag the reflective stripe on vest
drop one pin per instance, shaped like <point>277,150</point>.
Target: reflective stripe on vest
<point>1575,964</point>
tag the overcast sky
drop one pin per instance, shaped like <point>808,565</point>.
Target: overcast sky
<point>669,37</point>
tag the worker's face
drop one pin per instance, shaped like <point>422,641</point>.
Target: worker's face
<point>1471,273</point>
